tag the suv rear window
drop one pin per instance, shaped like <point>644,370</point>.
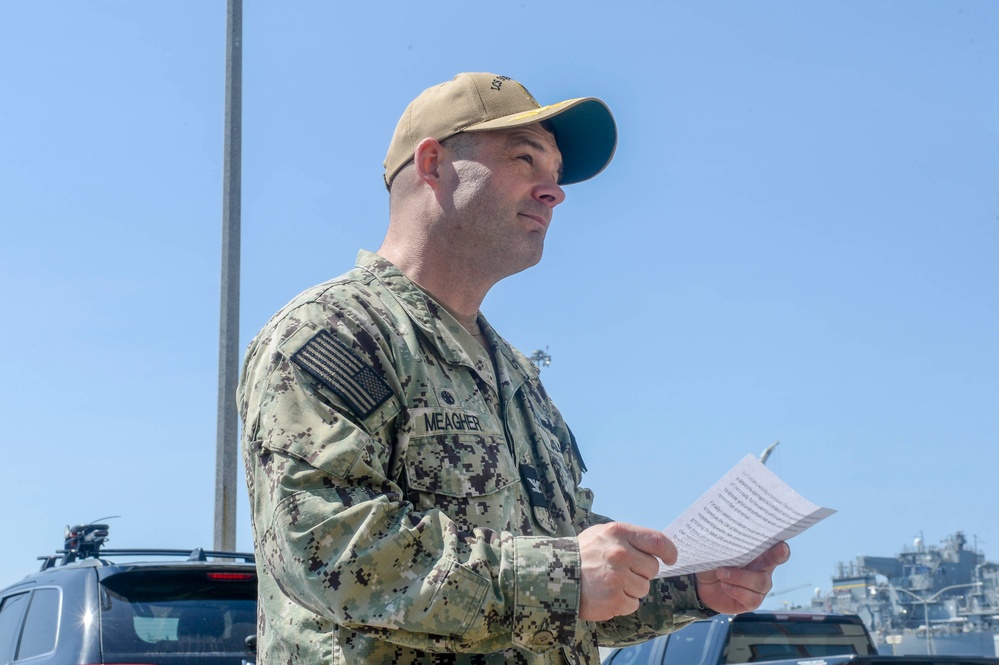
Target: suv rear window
<point>754,640</point>
<point>191,612</point>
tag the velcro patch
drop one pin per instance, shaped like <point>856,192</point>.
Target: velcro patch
<point>533,486</point>
<point>341,370</point>
<point>434,421</point>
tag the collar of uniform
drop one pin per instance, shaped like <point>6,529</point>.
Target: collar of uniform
<point>417,305</point>
<point>409,295</point>
<point>517,361</point>
<point>428,315</point>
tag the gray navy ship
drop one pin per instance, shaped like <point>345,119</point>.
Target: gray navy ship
<point>924,600</point>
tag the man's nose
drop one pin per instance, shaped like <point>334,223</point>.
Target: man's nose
<point>550,194</point>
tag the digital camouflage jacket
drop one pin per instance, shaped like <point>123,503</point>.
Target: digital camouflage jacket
<point>412,502</point>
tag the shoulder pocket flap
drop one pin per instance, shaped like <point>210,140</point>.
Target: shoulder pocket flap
<point>339,370</point>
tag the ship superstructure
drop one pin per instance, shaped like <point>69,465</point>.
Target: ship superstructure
<point>927,599</point>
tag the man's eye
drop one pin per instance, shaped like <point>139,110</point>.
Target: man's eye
<point>526,158</point>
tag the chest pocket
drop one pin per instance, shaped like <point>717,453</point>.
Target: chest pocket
<point>458,453</point>
<point>458,461</point>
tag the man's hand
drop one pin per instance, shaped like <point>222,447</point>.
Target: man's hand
<point>735,590</point>
<point>618,560</point>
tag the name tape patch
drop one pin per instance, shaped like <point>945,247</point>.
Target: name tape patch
<point>429,421</point>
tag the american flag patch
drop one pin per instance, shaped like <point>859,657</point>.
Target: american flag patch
<point>341,370</point>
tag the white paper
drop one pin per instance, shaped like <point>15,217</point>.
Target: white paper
<point>746,512</point>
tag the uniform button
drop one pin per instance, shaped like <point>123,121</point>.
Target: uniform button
<point>544,638</point>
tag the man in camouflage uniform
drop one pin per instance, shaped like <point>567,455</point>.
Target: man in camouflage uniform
<point>416,495</point>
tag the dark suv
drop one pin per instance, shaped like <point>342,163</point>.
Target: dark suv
<point>87,605</point>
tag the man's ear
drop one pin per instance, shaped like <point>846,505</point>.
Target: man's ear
<point>429,158</point>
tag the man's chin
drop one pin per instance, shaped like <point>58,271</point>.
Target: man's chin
<point>531,261</point>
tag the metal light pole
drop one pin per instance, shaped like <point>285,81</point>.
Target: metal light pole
<point>227,443</point>
<point>926,608</point>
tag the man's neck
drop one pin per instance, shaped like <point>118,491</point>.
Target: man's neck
<point>455,288</point>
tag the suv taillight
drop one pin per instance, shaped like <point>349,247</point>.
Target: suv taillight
<point>231,577</point>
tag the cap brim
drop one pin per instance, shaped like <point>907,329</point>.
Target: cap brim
<point>584,130</point>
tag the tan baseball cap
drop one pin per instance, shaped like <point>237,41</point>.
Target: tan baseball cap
<point>584,127</point>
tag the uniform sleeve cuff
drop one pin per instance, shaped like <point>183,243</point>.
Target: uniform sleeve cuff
<point>546,593</point>
<point>695,609</point>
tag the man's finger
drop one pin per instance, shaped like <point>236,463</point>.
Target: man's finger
<point>652,542</point>
<point>770,559</point>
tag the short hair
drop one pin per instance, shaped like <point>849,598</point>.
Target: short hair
<point>461,144</point>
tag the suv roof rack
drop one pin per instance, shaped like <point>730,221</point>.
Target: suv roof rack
<point>85,540</point>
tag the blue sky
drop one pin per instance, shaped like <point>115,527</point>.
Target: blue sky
<point>797,240</point>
